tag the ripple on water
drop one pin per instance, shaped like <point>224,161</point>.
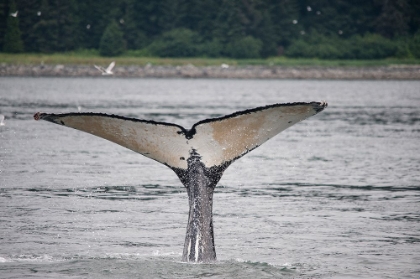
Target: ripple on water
<point>129,265</point>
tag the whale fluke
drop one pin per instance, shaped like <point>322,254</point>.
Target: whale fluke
<point>198,155</point>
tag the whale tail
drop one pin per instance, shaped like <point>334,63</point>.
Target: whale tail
<point>217,141</point>
<point>198,156</point>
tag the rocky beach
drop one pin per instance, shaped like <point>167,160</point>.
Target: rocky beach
<point>394,72</point>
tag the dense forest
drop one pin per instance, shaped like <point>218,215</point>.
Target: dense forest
<point>326,29</point>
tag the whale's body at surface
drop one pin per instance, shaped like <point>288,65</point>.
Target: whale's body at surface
<point>199,156</point>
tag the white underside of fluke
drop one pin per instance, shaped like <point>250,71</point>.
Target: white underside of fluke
<point>216,140</point>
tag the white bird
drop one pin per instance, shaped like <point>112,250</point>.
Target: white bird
<point>2,120</point>
<point>295,21</point>
<point>224,66</point>
<point>309,8</point>
<point>14,14</point>
<point>107,71</point>
<point>39,13</point>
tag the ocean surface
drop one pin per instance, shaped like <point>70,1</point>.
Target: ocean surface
<point>335,196</point>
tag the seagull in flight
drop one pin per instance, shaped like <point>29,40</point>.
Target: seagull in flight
<point>14,14</point>
<point>2,120</point>
<point>107,71</point>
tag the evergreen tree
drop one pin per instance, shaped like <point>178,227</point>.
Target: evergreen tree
<point>414,13</point>
<point>147,14</point>
<point>393,20</point>
<point>112,41</point>
<point>229,26</point>
<point>44,32</point>
<point>282,15</point>
<point>67,21</point>
<point>12,39</point>
<point>3,20</point>
<point>30,14</point>
<point>200,16</point>
<point>171,14</point>
<point>265,32</point>
<point>134,34</point>
<point>94,17</point>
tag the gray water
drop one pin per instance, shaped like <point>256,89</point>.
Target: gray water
<point>335,196</point>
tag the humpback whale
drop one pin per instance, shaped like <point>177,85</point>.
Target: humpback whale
<point>198,155</point>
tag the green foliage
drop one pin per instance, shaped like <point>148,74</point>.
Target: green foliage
<point>228,25</point>
<point>112,41</point>
<point>339,29</point>
<point>12,39</point>
<point>247,47</point>
<point>213,48</point>
<point>370,46</point>
<point>392,21</point>
<point>180,42</point>
<point>144,52</point>
<point>414,45</point>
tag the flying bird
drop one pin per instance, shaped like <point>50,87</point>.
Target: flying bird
<point>107,71</point>
<point>14,14</point>
<point>2,120</point>
<point>198,155</point>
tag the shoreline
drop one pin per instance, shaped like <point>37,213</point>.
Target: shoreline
<point>393,72</point>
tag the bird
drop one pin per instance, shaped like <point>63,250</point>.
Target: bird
<point>107,71</point>
<point>39,13</point>
<point>14,14</point>
<point>2,120</point>
<point>198,155</point>
<point>224,66</point>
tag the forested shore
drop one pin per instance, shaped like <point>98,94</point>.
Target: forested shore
<point>341,29</point>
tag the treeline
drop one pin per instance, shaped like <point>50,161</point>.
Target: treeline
<point>328,29</point>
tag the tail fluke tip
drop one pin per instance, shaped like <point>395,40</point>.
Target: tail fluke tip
<point>37,115</point>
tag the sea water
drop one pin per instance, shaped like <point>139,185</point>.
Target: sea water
<point>335,196</point>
